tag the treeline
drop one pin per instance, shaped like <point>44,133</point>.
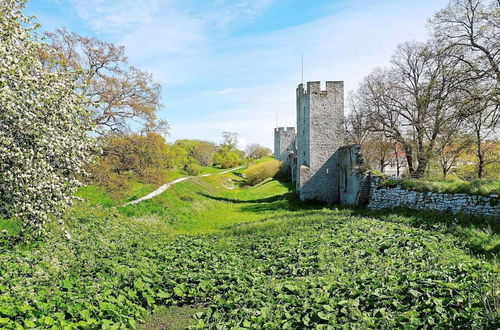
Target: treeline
<point>435,107</point>
<point>148,158</point>
<point>124,101</point>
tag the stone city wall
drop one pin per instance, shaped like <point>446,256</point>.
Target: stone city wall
<point>390,197</point>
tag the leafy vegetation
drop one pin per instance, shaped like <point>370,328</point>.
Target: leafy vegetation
<point>476,187</point>
<point>262,171</point>
<point>147,158</point>
<point>44,143</point>
<point>256,151</point>
<point>228,155</point>
<point>208,253</point>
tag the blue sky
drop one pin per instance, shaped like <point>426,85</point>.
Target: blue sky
<point>230,65</point>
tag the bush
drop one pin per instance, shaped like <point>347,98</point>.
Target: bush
<point>140,157</point>
<point>258,173</point>
<point>44,122</point>
<point>103,176</point>
<point>193,169</point>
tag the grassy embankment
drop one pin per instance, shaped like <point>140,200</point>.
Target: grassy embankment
<point>476,187</point>
<point>208,251</point>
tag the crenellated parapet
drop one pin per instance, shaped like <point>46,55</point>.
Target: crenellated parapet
<point>321,167</point>
<point>284,144</point>
<point>320,133</point>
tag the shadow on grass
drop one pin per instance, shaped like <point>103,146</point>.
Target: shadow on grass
<point>285,202</point>
<point>240,201</point>
<point>479,234</point>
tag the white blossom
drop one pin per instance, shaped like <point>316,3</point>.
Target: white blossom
<point>44,125</point>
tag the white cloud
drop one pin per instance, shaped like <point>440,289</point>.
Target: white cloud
<point>344,46</point>
<point>223,13</point>
<point>170,38</point>
<point>115,16</point>
<point>185,46</point>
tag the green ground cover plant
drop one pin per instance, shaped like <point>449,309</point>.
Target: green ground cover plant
<point>476,187</point>
<point>225,256</point>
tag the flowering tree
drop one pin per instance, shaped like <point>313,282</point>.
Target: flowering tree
<point>44,125</point>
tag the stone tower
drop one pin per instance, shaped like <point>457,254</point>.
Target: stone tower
<point>284,144</point>
<point>320,133</point>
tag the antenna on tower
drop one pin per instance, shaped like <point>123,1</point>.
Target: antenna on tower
<point>302,64</point>
<point>276,118</point>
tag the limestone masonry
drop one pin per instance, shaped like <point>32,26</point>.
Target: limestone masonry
<point>316,160</point>
<point>325,169</point>
<point>320,133</point>
<point>385,197</point>
<point>284,145</point>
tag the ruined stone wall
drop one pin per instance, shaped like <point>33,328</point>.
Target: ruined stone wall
<point>325,170</point>
<point>320,133</point>
<point>352,175</point>
<point>390,197</point>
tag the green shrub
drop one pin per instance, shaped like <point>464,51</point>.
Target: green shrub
<point>231,159</point>
<point>193,169</point>
<point>44,121</point>
<point>258,173</point>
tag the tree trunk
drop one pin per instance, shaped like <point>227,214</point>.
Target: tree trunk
<point>409,159</point>
<point>445,172</point>
<point>480,165</point>
<point>480,156</point>
<point>421,168</point>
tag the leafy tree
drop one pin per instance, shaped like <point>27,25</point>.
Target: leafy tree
<point>44,122</point>
<point>192,169</point>
<point>145,157</point>
<point>413,100</point>
<point>178,157</point>
<point>471,30</point>
<point>201,152</point>
<point>119,91</point>
<point>256,151</point>
<point>228,155</point>
<point>230,140</point>
<point>204,153</point>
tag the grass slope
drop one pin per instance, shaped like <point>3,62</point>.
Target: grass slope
<point>476,187</point>
<point>209,252</point>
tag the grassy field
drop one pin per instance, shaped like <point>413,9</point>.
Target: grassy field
<point>135,189</point>
<point>213,252</point>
